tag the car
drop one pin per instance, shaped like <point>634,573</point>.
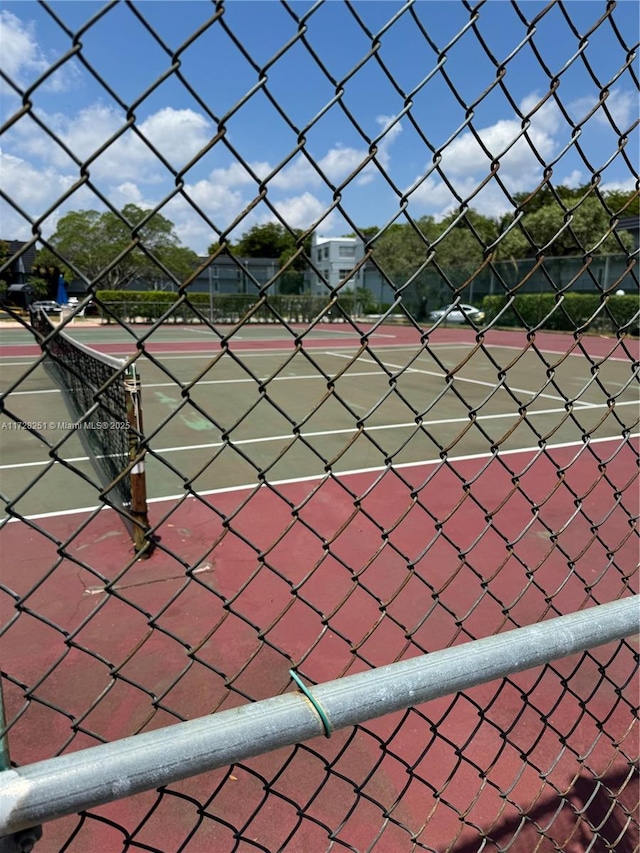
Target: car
<point>89,309</point>
<point>46,305</point>
<point>457,313</point>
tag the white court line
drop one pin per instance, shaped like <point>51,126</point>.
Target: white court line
<point>242,381</point>
<point>561,352</point>
<point>43,391</point>
<point>457,378</point>
<point>311,478</point>
<point>189,448</point>
<point>583,404</point>
<point>363,358</point>
<point>246,353</point>
<point>462,344</point>
<point>222,381</point>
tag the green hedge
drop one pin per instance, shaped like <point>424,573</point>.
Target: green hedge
<point>573,311</point>
<point>147,306</point>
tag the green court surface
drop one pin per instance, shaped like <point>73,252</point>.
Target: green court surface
<point>223,421</point>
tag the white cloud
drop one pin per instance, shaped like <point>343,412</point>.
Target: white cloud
<point>178,135</point>
<point>223,205</point>
<point>34,190</point>
<point>301,211</point>
<point>126,193</point>
<point>621,104</point>
<point>336,164</point>
<point>127,169</point>
<point>83,133</point>
<point>574,179</point>
<point>221,197</point>
<point>295,175</point>
<point>213,198</point>
<point>339,162</point>
<point>220,204</point>
<point>23,60</point>
<point>623,107</point>
<point>466,163</point>
<point>503,141</point>
<point>30,188</point>
<point>546,116</point>
<point>628,185</point>
<point>21,57</point>
<point>237,174</point>
<point>392,130</point>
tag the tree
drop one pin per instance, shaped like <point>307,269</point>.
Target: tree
<point>271,240</point>
<point>40,286</point>
<point>91,242</point>
<point>367,233</point>
<point>403,249</point>
<point>623,203</point>
<point>465,246</point>
<point>544,228</point>
<point>263,241</point>
<point>400,251</point>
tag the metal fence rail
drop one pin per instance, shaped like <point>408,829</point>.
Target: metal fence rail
<point>90,778</point>
<point>428,522</point>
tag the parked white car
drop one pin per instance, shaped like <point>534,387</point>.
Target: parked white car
<point>47,305</point>
<point>457,314</point>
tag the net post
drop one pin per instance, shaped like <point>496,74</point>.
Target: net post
<point>143,545</point>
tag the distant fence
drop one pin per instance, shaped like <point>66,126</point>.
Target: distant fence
<point>595,274</point>
<point>149,306</point>
<point>600,273</point>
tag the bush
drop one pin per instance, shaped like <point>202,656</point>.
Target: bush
<point>40,287</point>
<point>568,313</point>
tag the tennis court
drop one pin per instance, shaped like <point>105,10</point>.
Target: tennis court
<point>215,419</point>
<point>334,506</point>
<point>319,504</point>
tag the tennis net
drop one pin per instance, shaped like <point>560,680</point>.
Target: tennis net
<point>102,394</point>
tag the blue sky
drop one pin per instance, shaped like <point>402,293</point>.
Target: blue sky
<point>433,69</point>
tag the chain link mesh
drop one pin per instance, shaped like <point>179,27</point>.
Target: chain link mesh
<point>339,515</point>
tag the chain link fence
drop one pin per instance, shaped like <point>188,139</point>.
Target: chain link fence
<point>330,495</point>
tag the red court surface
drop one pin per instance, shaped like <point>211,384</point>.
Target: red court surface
<point>338,576</point>
<point>345,336</point>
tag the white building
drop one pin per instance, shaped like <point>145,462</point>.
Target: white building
<point>335,258</point>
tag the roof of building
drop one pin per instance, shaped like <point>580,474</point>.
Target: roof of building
<point>320,240</point>
<point>16,255</point>
<point>228,260</point>
<point>628,222</point>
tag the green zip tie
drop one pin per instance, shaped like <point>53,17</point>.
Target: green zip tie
<point>321,712</point>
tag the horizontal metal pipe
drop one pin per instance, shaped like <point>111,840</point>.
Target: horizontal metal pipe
<point>67,784</point>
